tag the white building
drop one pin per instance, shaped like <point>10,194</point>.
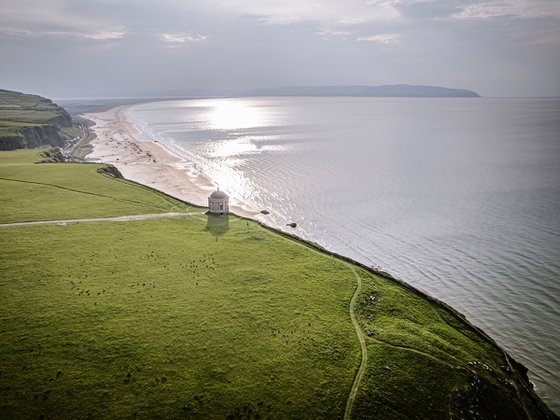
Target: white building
<point>218,202</point>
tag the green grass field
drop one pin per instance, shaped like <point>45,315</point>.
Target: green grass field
<point>212,317</point>
<point>32,192</point>
<point>24,108</point>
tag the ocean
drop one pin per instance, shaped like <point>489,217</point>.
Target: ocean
<point>459,197</point>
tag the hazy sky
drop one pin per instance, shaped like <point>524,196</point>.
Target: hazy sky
<point>78,48</point>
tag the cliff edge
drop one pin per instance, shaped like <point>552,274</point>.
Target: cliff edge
<point>29,121</point>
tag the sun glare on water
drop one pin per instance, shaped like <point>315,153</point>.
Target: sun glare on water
<point>233,114</point>
<point>230,148</point>
<point>235,117</point>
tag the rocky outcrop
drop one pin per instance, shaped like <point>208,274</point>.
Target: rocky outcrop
<point>111,171</point>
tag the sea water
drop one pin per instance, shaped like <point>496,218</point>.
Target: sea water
<point>459,197</point>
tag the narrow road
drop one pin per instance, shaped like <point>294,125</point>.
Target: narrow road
<point>105,219</point>
<point>360,334</point>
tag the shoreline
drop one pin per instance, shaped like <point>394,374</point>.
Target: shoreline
<point>172,240</point>
<point>147,162</point>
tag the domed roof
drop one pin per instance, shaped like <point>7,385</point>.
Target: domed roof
<point>218,194</point>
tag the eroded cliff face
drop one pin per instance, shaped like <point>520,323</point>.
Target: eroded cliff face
<point>42,136</point>
<point>32,137</point>
<point>30,121</point>
<point>62,121</point>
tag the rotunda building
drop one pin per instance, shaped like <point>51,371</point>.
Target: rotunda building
<point>218,202</point>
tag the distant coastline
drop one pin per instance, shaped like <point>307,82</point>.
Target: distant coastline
<point>77,106</point>
<point>387,91</point>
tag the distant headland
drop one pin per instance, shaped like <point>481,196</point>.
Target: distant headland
<point>387,91</point>
<point>402,91</point>
<point>30,121</point>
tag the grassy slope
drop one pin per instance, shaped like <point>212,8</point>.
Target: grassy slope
<point>32,192</point>
<point>15,106</point>
<point>205,318</point>
<point>19,110</point>
<point>419,356</point>
<point>185,315</point>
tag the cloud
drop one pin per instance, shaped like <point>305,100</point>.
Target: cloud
<point>55,18</point>
<point>324,12</point>
<point>15,32</point>
<point>97,48</point>
<point>513,8</point>
<point>33,13</point>
<point>470,43</point>
<point>182,38</point>
<point>97,36</point>
<point>104,35</point>
<point>327,34</point>
<point>382,39</point>
<point>429,9</point>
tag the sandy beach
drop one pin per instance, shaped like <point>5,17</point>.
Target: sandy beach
<point>147,162</point>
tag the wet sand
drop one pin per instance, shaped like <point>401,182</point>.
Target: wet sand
<point>147,162</point>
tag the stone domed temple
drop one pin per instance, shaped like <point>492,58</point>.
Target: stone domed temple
<point>218,202</point>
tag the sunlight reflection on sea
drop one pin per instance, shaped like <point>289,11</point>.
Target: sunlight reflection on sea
<point>460,197</point>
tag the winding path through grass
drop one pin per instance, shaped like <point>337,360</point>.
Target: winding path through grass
<point>359,333</point>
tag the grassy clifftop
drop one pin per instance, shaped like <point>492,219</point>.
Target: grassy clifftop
<point>28,121</point>
<point>215,317</point>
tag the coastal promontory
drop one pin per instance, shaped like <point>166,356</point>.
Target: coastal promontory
<point>387,91</point>
<point>30,121</point>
